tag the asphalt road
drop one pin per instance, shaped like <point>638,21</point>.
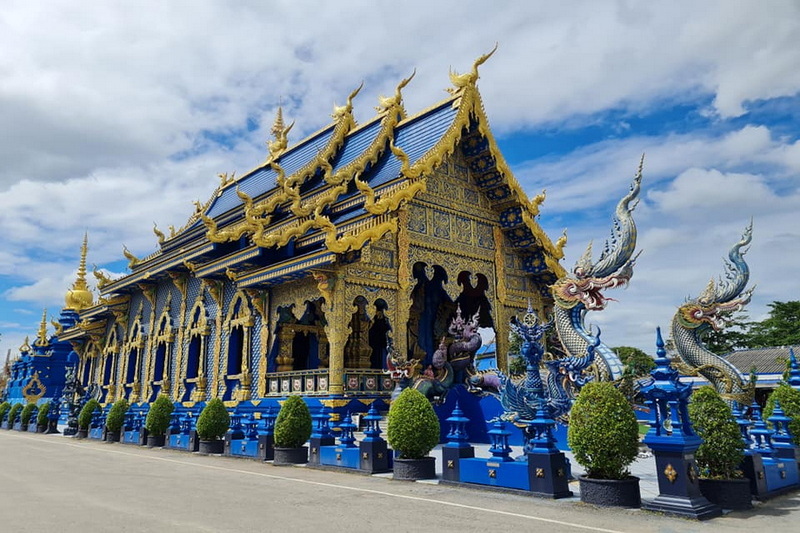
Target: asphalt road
<point>50,483</point>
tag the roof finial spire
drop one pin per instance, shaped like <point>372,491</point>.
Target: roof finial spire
<point>461,81</point>
<point>41,338</point>
<point>79,297</point>
<point>280,132</point>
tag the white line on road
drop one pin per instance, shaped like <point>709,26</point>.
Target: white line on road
<point>323,484</point>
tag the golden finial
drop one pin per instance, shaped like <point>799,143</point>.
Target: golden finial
<point>560,243</point>
<point>79,297</point>
<point>132,259</point>
<point>159,234</point>
<point>460,81</point>
<point>58,327</point>
<point>224,179</point>
<point>278,146</point>
<point>102,278</point>
<point>537,201</point>
<point>396,100</point>
<point>340,111</point>
<point>41,338</point>
<point>25,348</point>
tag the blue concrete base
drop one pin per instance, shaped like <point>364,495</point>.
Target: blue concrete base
<point>781,475</point>
<point>244,448</point>
<point>510,474</point>
<point>179,441</point>
<point>340,456</point>
<point>138,437</point>
<point>96,433</point>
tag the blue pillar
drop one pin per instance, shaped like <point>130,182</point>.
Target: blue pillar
<point>457,446</point>
<point>321,434</point>
<point>373,448</point>
<point>674,442</point>
<point>548,468</point>
<point>794,371</point>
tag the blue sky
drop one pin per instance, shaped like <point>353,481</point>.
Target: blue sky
<point>118,115</point>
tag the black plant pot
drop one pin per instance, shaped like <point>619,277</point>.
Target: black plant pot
<point>82,433</point>
<point>411,469</point>
<point>611,492</point>
<point>728,493</point>
<point>291,456</point>
<point>41,428</point>
<point>212,446</point>
<point>155,441</point>
<point>112,436</point>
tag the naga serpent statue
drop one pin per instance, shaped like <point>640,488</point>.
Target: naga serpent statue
<point>433,382</point>
<point>520,400</point>
<point>711,310</point>
<point>580,292</point>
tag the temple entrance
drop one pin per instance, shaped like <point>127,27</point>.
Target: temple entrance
<point>368,341</point>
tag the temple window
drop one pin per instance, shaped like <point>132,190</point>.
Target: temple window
<point>160,373</point>
<point>238,324</point>
<point>194,379</point>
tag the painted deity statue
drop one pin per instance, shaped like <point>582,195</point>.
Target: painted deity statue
<point>711,310</point>
<point>581,292</point>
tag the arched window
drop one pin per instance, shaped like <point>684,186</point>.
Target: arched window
<point>159,379</point>
<point>194,380</point>
<point>238,325</point>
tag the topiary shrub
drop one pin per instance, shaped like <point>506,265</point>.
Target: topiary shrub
<point>12,414</point>
<point>85,416</point>
<point>41,418</point>
<point>116,415</point>
<point>27,414</point>
<point>5,407</point>
<point>789,399</point>
<point>158,417</point>
<point>413,427</point>
<point>603,432</point>
<point>722,450</point>
<point>214,421</point>
<point>293,425</point>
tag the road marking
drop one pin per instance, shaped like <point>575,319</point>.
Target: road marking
<point>330,485</point>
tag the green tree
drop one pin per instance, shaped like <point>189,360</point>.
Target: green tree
<point>780,328</point>
<point>637,363</point>
<point>735,335</point>
<point>722,450</point>
<point>789,399</point>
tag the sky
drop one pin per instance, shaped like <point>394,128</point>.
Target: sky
<point>118,115</point>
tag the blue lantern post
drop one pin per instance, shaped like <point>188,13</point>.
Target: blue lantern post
<point>321,434</point>
<point>373,448</point>
<point>548,469</point>
<point>794,371</point>
<point>457,446</point>
<point>674,442</point>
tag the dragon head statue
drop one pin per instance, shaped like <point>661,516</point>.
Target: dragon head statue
<point>613,269</point>
<point>720,299</point>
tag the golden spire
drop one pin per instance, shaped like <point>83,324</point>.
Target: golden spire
<point>280,132</point>
<point>41,339</point>
<point>79,297</point>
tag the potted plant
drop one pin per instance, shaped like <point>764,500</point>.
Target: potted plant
<point>604,436</point>
<point>789,399</point>
<point>212,424</point>
<point>292,431</point>
<point>722,451</point>
<point>41,418</point>
<point>13,414</point>
<point>26,415</point>
<point>115,420</point>
<point>157,421</point>
<point>85,418</point>
<point>5,407</point>
<point>413,431</point>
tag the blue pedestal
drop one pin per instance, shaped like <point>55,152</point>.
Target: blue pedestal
<point>508,474</point>
<point>340,456</point>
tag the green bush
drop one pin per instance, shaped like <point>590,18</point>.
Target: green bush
<point>116,415</point>
<point>12,414</point>
<point>790,404</point>
<point>603,432</point>
<point>158,417</point>
<point>293,425</point>
<point>5,407</point>
<point>85,416</point>
<point>413,429</point>
<point>27,414</point>
<point>722,450</point>
<point>214,421</point>
<point>41,418</point>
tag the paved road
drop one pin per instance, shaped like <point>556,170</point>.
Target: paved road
<point>51,483</point>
